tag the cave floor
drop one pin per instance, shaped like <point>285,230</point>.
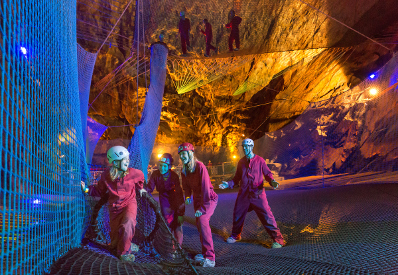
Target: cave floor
<point>346,224</point>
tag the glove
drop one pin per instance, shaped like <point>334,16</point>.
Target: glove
<point>142,191</point>
<point>223,185</point>
<point>188,200</point>
<point>180,220</point>
<point>274,184</point>
<point>84,188</point>
<point>198,213</point>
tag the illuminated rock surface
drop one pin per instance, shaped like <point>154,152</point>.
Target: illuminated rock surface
<point>290,55</point>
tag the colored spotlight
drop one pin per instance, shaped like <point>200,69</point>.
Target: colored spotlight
<point>372,76</point>
<point>234,156</point>
<point>24,50</point>
<point>159,155</point>
<point>373,91</point>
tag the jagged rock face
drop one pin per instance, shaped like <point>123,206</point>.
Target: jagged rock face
<point>272,88</point>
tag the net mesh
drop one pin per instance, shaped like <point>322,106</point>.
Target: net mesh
<point>86,62</point>
<point>141,144</point>
<point>347,144</point>
<point>42,150</point>
<point>347,140</point>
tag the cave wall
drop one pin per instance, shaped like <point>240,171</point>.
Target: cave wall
<point>346,134</point>
<point>279,84</point>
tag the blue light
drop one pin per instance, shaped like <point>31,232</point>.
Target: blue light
<point>24,50</point>
<point>36,201</point>
<point>372,76</point>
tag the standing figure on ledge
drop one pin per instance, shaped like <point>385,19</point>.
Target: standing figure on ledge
<point>171,198</point>
<point>196,180</point>
<point>250,171</point>
<point>234,26</point>
<point>208,32</point>
<point>119,184</point>
<point>184,26</point>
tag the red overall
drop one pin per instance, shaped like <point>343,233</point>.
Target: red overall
<point>252,196</point>
<point>234,26</point>
<point>171,200</point>
<point>208,32</point>
<point>205,200</point>
<point>183,27</point>
<point>122,206</point>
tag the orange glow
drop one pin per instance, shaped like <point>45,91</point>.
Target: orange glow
<point>159,155</point>
<point>373,91</point>
<point>234,156</point>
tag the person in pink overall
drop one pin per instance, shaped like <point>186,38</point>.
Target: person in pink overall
<point>119,184</point>
<point>234,26</point>
<point>208,32</point>
<point>250,171</point>
<point>196,180</point>
<point>184,27</point>
<point>171,198</point>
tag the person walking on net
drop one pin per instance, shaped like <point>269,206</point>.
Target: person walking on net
<point>119,185</point>
<point>208,32</point>
<point>184,27</point>
<point>196,180</point>
<point>250,171</point>
<point>171,198</point>
<point>234,35</point>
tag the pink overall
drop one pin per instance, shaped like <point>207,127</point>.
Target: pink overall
<point>205,200</point>
<point>171,200</point>
<point>252,196</point>
<point>122,206</point>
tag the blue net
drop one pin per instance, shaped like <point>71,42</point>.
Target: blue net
<point>86,62</point>
<point>42,149</point>
<point>141,144</point>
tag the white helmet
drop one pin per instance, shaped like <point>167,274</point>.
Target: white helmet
<point>117,153</point>
<point>248,141</point>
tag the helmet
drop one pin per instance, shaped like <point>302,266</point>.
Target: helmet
<point>117,153</point>
<point>166,158</point>
<point>248,141</point>
<point>182,13</point>
<point>185,147</point>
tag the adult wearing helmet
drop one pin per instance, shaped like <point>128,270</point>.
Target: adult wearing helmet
<point>196,180</point>
<point>234,26</point>
<point>171,198</point>
<point>250,171</point>
<point>184,26</point>
<point>119,184</point>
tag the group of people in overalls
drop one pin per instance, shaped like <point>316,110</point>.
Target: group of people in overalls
<point>119,184</point>
<point>184,27</point>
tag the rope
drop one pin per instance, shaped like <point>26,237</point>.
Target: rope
<point>114,26</point>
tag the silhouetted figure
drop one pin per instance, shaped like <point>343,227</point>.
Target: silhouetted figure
<point>234,26</point>
<point>208,32</point>
<point>184,26</point>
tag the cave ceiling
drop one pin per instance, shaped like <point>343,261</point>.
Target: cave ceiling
<point>292,53</point>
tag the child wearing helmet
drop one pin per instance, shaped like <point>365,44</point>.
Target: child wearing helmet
<point>119,184</point>
<point>250,172</point>
<point>171,198</point>
<point>196,180</point>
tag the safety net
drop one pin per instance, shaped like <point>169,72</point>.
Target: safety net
<point>336,204</point>
<point>42,149</point>
<point>346,143</point>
